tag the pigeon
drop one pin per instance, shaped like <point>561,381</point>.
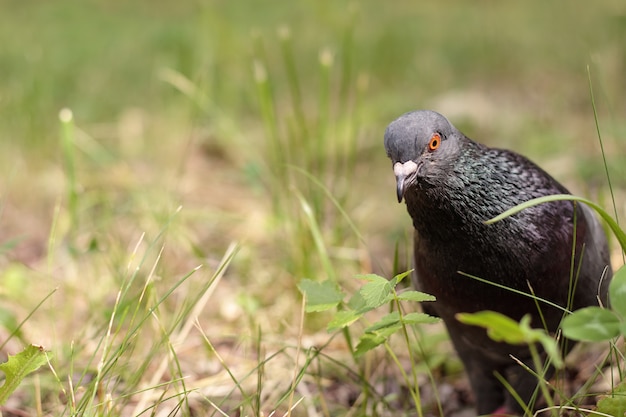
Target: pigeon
<point>451,186</point>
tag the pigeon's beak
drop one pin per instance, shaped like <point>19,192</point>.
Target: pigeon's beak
<point>402,172</point>
<point>400,188</point>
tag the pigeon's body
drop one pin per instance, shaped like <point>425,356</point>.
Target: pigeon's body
<point>451,186</point>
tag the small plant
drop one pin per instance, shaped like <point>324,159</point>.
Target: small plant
<point>18,367</point>
<point>599,324</point>
<point>613,404</point>
<point>504,329</point>
<point>376,293</point>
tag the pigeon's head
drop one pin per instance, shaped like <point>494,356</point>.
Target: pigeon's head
<point>422,146</point>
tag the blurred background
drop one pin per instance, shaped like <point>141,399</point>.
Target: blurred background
<point>170,171</point>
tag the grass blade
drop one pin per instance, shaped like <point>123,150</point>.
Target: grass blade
<point>617,231</point>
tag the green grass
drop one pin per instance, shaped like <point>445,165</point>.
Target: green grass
<point>221,152</point>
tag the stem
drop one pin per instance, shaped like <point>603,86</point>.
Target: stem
<point>415,392</point>
<point>543,385</point>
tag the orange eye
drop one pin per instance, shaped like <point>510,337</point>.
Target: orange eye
<point>435,141</point>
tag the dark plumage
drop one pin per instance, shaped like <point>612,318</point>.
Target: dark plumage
<point>451,185</point>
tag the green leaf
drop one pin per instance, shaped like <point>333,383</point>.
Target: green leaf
<point>499,327</point>
<point>377,291</point>
<point>357,302</point>
<point>617,292</point>
<point>18,366</point>
<point>592,324</point>
<point>343,319</point>
<point>419,318</point>
<point>415,296</point>
<point>622,328</point>
<point>391,319</point>
<point>370,277</point>
<point>550,346</point>
<point>398,278</point>
<point>504,329</point>
<point>392,322</point>
<point>615,404</point>
<point>368,342</point>
<point>388,330</point>
<point>320,296</point>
